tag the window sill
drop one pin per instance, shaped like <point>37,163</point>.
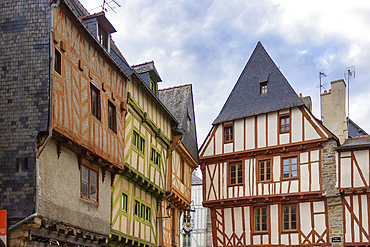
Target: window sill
<point>289,231</point>
<point>231,185</point>
<point>265,182</point>
<point>287,179</point>
<point>260,233</point>
<point>90,201</point>
<point>228,142</point>
<point>284,132</point>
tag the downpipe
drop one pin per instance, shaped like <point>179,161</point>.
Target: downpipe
<point>171,190</point>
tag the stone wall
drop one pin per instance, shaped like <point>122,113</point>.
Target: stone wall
<point>333,197</point>
<point>24,98</point>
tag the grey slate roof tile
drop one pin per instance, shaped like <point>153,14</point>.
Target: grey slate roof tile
<point>179,101</point>
<point>245,99</point>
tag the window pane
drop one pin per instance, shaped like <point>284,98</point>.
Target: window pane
<point>240,180</point>
<point>233,181</point>
<point>85,174</point>
<point>262,177</point>
<point>264,227</point>
<point>240,174</point>
<point>286,225</point>
<point>294,209</point>
<point>232,168</point>
<point>294,160</point>
<point>240,168</point>
<point>286,210</point>
<point>84,189</point>
<point>93,192</point>
<point>93,177</point>
<point>262,165</point>
<point>286,162</point>
<point>294,225</point>
<point>294,173</point>
<point>287,121</point>
<point>124,202</point>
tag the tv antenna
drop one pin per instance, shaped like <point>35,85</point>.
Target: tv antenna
<point>321,74</point>
<point>349,73</point>
<point>109,5</point>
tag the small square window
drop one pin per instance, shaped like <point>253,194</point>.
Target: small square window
<point>21,165</point>
<point>58,61</point>
<point>155,157</point>
<point>95,101</point>
<point>290,168</point>
<point>112,121</point>
<point>228,134</point>
<point>284,124</point>
<point>236,173</point>
<point>263,88</point>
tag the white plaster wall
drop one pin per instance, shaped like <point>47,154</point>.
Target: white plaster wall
<point>345,169</point>
<point>309,132</point>
<point>210,148</point>
<point>296,124</point>
<point>60,198</point>
<point>250,133</point>
<point>261,131</point>
<point>239,135</point>
<point>218,140</point>
<point>272,129</point>
<point>274,217</point>
<point>284,138</point>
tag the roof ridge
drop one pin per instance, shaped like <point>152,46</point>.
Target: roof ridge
<point>185,85</point>
<point>143,63</point>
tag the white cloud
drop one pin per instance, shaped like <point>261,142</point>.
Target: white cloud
<point>207,43</point>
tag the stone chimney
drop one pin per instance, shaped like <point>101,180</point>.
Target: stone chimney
<point>333,105</point>
<point>307,101</point>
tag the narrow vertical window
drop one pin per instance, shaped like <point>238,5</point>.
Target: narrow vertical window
<point>142,145</point>
<point>95,101</point>
<point>147,214</point>
<point>112,121</point>
<point>153,87</point>
<point>265,170</point>
<point>236,174</point>
<point>290,168</point>
<point>284,124</point>
<point>263,88</point>
<point>182,168</point>
<point>135,137</point>
<point>260,219</point>
<point>290,218</point>
<point>58,61</point>
<point>137,209</point>
<point>124,202</point>
<point>142,211</point>
<point>228,134</point>
<point>89,183</point>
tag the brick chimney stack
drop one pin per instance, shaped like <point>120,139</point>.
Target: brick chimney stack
<point>333,105</point>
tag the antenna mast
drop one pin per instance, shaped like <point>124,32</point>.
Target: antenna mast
<point>350,72</point>
<point>108,2</point>
<point>321,74</point>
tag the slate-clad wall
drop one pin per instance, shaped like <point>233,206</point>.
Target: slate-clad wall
<point>24,97</point>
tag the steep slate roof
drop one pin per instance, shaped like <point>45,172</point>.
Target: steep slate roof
<point>355,130</point>
<point>195,180</point>
<point>245,99</point>
<point>179,101</point>
<point>356,142</point>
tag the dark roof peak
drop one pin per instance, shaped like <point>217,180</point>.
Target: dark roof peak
<point>247,99</point>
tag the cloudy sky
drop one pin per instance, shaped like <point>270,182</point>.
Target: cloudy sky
<point>208,42</point>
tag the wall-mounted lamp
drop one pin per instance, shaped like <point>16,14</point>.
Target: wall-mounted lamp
<point>169,211</point>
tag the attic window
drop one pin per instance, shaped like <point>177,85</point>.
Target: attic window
<point>153,87</point>
<point>263,88</point>
<point>103,37</point>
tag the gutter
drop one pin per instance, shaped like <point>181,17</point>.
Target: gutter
<point>50,125</point>
<point>171,190</point>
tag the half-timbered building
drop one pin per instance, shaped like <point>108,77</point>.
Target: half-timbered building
<point>184,158</point>
<point>268,165</point>
<point>140,188</point>
<point>353,182</point>
<point>80,147</point>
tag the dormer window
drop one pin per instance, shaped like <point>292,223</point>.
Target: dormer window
<point>103,37</point>
<point>153,87</point>
<point>263,88</point>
